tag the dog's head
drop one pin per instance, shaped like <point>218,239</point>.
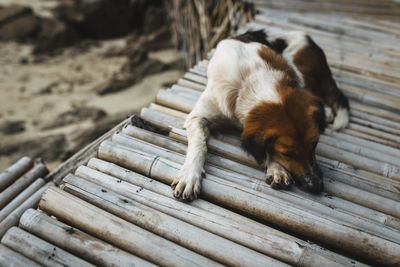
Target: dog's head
<point>289,132</point>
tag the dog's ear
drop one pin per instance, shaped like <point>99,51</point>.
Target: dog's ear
<point>257,144</point>
<point>319,116</point>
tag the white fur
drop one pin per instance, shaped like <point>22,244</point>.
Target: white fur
<point>341,119</point>
<point>235,72</point>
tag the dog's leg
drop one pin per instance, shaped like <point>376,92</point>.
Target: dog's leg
<point>187,183</point>
<point>277,176</point>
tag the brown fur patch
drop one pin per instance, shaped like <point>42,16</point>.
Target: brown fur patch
<point>288,131</point>
<point>311,62</point>
<point>276,61</point>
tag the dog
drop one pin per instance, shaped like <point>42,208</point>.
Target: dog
<point>272,85</point>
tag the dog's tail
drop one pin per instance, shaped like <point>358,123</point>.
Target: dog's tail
<point>340,107</point>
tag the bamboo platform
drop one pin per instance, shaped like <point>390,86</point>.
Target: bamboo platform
<point>111,204</point>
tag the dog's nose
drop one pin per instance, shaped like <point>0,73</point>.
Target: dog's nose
<point>316,186</point>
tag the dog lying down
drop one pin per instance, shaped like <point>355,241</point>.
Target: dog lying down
<point>273,86</point>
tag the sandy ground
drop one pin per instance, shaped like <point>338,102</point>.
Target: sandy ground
<point>37,90</point>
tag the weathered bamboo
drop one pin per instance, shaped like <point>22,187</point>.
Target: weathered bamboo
<point>372,138</point>
<point>195,78</point>
<point>171,144</point>
<point>190,84</point>
<point>223,216</point>
<point>364,143</point>
<point>13,218</point>
<point>77,242</point>
<point>375,119</point>
<point>117,231</point>
<point>318,204</point>
<point>263,206</point>
<point>14,189</point>
<point>18,200</point>
<point>357,161</point>
<point>387,135</point>
<point>210,245</point>
<point>343,176</point>
<point>39,250</point>
<point>15,171</point>
<point>166,110</point>
<point>179,102</point>
<point>368,110</point>
<point>10,258</point>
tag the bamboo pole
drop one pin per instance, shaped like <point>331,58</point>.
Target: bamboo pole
<point>39,250</point>
<point>319,204</point>
<point>15,171</point>
<point>171,99</point>
<point>77,242</point>
<point>10,258</point>
<point>389,134</point>
<point>357,161</point>
<point>13,218</point>
<point>264,207</point>
<point>224,217</point>
<point>364,143</point>
<point>190,84</point>
<point>171,144</point>
<point>368,110</point>
<point>117,231</point>
<point>185,234</point>
<point>375,119</point>
<point>343,176</point>
<point>166,110</point>
<point>14,189</point>
<point>195,78</point>
<point>18,200</point>
<point>370,137</point>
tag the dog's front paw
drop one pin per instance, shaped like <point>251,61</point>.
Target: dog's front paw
<point>278,177</point>
<point>187,184</point>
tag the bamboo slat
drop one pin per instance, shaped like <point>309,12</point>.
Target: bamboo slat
<point>15,171</point>
<point>13,218</point>
<point>263,206</point>
<point>19,185</point>
<point>304,201</point>
<point>224,218</point>
<point>9,257</point>
<point>39,250</point>
<point>18,200</point>
<point>117,231</point>
<point>182,233</point>
<point>77,242</point>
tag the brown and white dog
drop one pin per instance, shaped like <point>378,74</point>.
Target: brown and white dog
<point>270,85</point>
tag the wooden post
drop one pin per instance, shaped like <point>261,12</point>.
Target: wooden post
<point>77,242</point>
<point>13,218</point>
<point>209,245</point>
<point>11,258</point>
<point>117,231</point>
<point>21,198</point>
<point>15,171</point>
<point>263,206</point>
<point>39,250</point>
<point>14,189</point>
<point>249,233</point>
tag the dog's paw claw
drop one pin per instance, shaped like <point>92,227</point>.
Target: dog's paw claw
<point>278,177</point>
<point>186,185</point>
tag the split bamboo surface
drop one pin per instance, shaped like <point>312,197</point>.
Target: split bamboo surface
<point>182,233</point>
<point>39,250</point>
<point>118,208</point>
<point>15,171</point>
<point>260,205</point>
<point>77,242</point>
<point>9,257</point>
<point>21,183</point>
<point>116,231</point>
